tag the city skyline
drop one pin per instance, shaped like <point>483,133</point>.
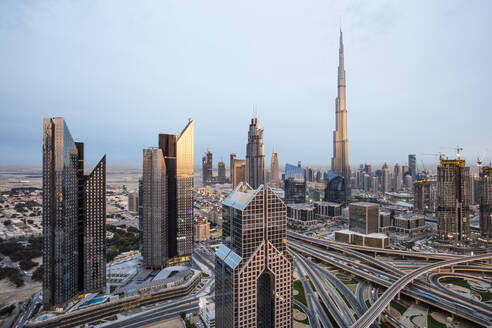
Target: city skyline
<point>388,79</point>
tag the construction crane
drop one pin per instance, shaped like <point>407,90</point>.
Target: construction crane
<point>480,159</point>
<point>458,151</point>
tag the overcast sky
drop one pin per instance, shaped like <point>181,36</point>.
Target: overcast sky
<point>418,76</point>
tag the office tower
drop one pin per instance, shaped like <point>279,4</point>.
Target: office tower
<point>453,200</point>
<point>335,188</point>
<point>374,185</point>
<point>253,270</point>
<point>397,178</point>
<point>232,158</point>
<point>486,204</point>
<point>140,214</point>
<point>475,189</point>
<point>207,166</point>
<point>407,180</point>
<point>412,165</point>
<point>340,160</point>
<point>74,216</point>
<point>294,184</point>
<point>309,174</point>
<point>364,217</point>
<point>404,170</point>
<point>255,155</point>
<point>368,168</point>
<point>238,170</point>
<point>275,179</point>
<point>221,178</point>
<point>92,247</point>
<point>425,194</point>
<point>385,179</point>
<point>155,209</point>
<point>133,202</point>
<point>319,176</point>
<point>178,156</point>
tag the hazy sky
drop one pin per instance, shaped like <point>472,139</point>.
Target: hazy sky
<point>418,76</point>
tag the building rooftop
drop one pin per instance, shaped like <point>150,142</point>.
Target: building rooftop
<point>301,206</point>
<point>328,204</point>
<point>372,235</point>
<point>364,204</point>
<point>240,197</point>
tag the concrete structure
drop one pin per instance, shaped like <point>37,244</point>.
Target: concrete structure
<point>201,229</point>
<point>74,217</point>
<point>178,153</point>
<point>364,217</point>
<point>453,200</point>
<point>384,220</point>
<point>155,209</point>
<point>207,166</point>
<point>275,179</point>
<point>425,195</point>
<point>207,313</point>
<point>408,222</point>
<point>221,178</point>
<point>327,210</point>
<point>253,270</point>
<point>301,213</point>
<point>255,155</point>
<point>378,240</point>
<point>238,170</point>
<point>340,160</point>
<point>133,202</point>
<point>486,204</point>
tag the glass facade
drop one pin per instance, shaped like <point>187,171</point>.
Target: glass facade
<point>335,188</point>
<point>294,184</point>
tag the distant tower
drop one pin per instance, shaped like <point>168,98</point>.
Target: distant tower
<point>207,166</point>
<point>385,179</point>
<point>253,269</point>
<point>221,172</point>
<point>274,169</point>
<point>155,218</point>
<point>231,164</point>
<point>412,165</point>
<point>453,200</point>
<point>397,178</point>
<point>255,155</point>
<point>486,204</point>
<point>340,160</point>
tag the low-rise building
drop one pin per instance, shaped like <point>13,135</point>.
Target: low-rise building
<point>327,210</point>
<point>300,213</point>
<point>370,240</point>
<point>201,229</point>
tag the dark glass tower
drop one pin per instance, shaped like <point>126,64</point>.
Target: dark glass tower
<point>255,155</point>
<point>74,210</point>
<point>294,184</point>
<point>154,211</point>
<point>207,166</point>
<point>335,188</point>
<point>178,157</point>
<point>253,286</point>
<point>486,204</point>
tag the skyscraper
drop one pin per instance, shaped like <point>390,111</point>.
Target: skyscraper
<point>397,178</point>
<point>385,179</point>
<point>155,206</point>
<point>232,158</point>
<point>221,178</point>
<point>253,270</point>
<point>412,165</point>
<point>294,184</point>
<point>177,150</point>
<point>275,179</point>
<point>74,216</point>
<point>486,204</point>
<point>255,155</point>
<point>238,170</point>
<point>340,160</point>
<point>453,200</point>
<point>425,192</point>
<point>207,166</point>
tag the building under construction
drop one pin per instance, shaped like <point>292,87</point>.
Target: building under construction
<point>453,200</point>
<point>425,195</point>
<point>486,204</point>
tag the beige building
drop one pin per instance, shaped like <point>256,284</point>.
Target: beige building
<point>364,217</point>
<point>201,229</point>
<point>370,240</point>
<point>133,202</point>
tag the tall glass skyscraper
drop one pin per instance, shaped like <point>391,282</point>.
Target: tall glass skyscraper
<point>74,211</point>
<point>255,155</point>
<point>178,156</point>
<point>412,165</point>
<point>294,184</point>
<point>253,271</point>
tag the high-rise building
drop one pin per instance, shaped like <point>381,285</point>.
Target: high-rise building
<point>155,209</point>
<point>207,166</point>
<point>385,179</point>
<point>294,184</point>
<point>412,166</point>
<point>340,160</point>
<point>178,155</point>
<point>397,178</point>
<point>253,270</point>
<point>238,170</point>
<point>453,200</point>
<point>201,229</point>
<point>368,168</point>
<point>425,195</point>
<point>335,188</point>
<point>221,178</point>
<point>486,204</point>
<point>364,217</point>
<point>232,158</point>
<point>309,174</point>
<point>255,155</point>
<point>275,179</point>
<point>74,216</point>
<point>133,202</point>
<point>140,214</point>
